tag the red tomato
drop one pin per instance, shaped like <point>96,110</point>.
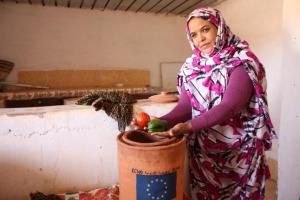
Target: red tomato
<point>142,119</point>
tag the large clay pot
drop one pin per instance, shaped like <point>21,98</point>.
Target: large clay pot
<point>151,172</point>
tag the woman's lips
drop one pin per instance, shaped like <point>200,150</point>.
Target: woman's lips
<point>204,46</point>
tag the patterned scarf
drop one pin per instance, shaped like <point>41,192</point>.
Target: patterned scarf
<point>205,78</point>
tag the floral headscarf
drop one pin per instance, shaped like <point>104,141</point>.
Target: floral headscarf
<point>205,77</point>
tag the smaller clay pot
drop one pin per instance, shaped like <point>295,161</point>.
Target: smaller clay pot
<point>163,97</point>
<point>141,138</point>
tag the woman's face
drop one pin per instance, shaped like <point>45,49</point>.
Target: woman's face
<point>203,34</point>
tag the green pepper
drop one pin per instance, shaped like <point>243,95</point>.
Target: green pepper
<point>157,125</point>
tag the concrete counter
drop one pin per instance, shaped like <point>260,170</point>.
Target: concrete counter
<point>60,148</point>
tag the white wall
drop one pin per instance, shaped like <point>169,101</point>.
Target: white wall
<point>55,150</point>
<point>33,36</point>
<point>259,22</point>
<point>289,159</point>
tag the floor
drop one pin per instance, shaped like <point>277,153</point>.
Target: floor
<point>271,186</point>
<point>271,190</point>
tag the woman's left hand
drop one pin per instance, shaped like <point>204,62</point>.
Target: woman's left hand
<point>179,129</point>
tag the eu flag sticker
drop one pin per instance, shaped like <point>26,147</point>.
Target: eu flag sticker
<point>156,187</point>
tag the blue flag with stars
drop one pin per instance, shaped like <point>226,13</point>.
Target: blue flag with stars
<point>156,187</point>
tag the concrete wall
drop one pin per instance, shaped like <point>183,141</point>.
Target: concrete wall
<point>56,150</point>
<point>36,37</point>
<point>289,159</point>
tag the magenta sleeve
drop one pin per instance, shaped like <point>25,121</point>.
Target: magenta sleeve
<point>182,112</point>
<point>236,97</point>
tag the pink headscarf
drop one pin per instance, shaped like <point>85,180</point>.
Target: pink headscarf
<point>205,77</point>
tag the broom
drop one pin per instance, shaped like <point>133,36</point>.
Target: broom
<point>118,105</point>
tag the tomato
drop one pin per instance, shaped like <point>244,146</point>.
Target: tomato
<point>142,119</point>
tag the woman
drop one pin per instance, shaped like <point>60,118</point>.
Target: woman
<point>222,111</point>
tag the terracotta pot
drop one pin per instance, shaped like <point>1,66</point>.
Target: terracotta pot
<point>163,97</point>
<point>151,172</point>
<point>141,138</point>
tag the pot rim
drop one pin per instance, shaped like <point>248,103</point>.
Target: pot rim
<point>155,141</point>
<point>176,142</point>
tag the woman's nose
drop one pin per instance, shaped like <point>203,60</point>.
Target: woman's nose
<point>201,38</point>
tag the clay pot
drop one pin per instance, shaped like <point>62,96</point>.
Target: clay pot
<point>141,138</point>
<point>150,171</point>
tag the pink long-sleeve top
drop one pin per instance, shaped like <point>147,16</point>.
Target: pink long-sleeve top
<point>236,97</point>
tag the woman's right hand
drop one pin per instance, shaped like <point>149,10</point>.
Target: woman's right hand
<point>178,130</point>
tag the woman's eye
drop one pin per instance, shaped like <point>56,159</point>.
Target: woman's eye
<point>193,35</point>
<point>205,30</point>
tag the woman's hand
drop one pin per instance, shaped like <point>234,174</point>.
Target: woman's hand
<point>179,129</point>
